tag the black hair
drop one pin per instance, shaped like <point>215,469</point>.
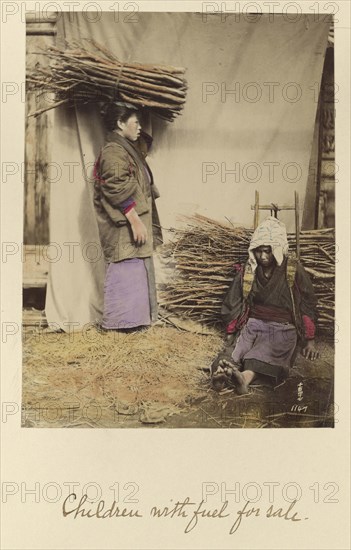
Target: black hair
<point>112,112</point>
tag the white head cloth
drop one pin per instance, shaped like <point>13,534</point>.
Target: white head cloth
<point>271,232</point>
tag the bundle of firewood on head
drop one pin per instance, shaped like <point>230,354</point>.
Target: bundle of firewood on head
<point>77,75</point>
<point>205,252</point>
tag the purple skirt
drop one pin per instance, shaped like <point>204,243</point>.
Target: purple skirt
<point>266,347</point>
<point>129,294</point>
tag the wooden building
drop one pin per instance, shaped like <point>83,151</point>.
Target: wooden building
<point>40,34</point>
<point>319,210</point>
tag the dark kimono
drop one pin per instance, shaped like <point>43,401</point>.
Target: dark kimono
<point>123,180</point>
<point>269,322</point>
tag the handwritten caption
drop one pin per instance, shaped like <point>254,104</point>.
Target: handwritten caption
<point>192,512</point>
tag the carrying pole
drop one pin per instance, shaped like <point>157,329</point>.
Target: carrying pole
<point>274,209</point>
<point>297,224</point>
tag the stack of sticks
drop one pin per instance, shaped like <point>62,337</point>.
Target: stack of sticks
<point>205,251</point>
<point>78,75</point>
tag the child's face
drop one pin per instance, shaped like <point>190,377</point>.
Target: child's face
<point>264,256</point>
<point>131,128</point>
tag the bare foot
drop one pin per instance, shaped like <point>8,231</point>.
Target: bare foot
<point>226,366</point>
<point>239,382</point>
<point>235,376</point>
<point>221,377</point>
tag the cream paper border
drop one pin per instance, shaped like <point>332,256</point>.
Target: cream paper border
<point>169,464</point>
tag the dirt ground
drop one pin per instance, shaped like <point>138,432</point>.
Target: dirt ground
<point>159,378</point>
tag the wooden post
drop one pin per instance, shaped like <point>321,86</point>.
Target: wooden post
<point>297,224</point>
<point>257,203</point>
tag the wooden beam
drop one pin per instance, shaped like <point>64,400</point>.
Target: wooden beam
<point>35,267</point>
<point>41,31</point>
<point>256,208</point>
<point>34,317</point>
<point>273,207</point>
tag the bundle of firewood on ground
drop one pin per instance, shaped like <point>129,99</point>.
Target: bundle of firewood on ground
<point>77,75</point>
<point>204,253</point>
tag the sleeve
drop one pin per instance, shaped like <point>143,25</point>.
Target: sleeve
<point>127,205</point>
<point>119,183</point>
<point>308,302</point>
<point>233,302</point>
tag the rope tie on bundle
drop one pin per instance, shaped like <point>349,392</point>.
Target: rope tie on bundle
<point>119,76</point>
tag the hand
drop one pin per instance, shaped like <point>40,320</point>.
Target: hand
<point>309,351</point>
<point>138,228</point>
<point>139,232</point>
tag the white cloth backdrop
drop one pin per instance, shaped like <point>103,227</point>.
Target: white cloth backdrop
<point>247,124</point>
